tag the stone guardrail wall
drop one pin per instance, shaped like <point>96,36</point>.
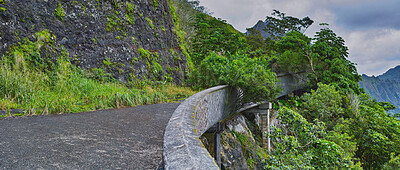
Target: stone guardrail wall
<point>194,116</point>
<point>182,146</point>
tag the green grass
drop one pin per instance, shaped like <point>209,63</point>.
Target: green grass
<point>67,89</point>
<point>74,93</point>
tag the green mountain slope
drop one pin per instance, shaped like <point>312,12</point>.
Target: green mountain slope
<point>385,87</point>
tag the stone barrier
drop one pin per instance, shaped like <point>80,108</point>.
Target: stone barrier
<point>182,146</point>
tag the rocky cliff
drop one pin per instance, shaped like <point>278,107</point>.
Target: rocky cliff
<point>128,38</point>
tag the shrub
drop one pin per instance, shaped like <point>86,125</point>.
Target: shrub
<point>323,104</point>
<point>250,75</point>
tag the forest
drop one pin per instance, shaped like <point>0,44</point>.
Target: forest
<point>331,124</point>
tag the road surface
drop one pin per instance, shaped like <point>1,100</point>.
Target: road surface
<point>128,138</point>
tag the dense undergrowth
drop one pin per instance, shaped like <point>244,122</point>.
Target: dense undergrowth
<point>39,78</point>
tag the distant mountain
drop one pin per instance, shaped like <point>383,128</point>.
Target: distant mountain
<point>260,27</point>
<point>385,87</point>
<point>391,74</point>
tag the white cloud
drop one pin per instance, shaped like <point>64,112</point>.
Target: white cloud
<point>374,50</point>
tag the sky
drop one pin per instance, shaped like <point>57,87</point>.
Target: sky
<point>371,28</point>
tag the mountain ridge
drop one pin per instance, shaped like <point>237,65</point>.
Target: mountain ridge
<point>385,87</point>
<point>260,25</point>
<point>391,74</point>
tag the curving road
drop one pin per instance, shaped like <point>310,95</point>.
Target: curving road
<point>128,138</point>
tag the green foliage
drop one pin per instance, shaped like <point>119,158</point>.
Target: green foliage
<point>340,134</point>
<point>182,27</point>
<point>111,22</point>
<point>280,24</point>
<point>394,163</point>
<point>83,7</point>
<point>129,8</point>
<point>377,135</point>
<point>359,126</point>
<point>253,153</point>
<point>150,23</point>
<point>294,50</point>
<point>99,75</point>
<point>2,1</point>
<point>155,3</point>
<point>107,62</point>
<point>144,53</point>
<point>251,75</point>
<point>183,12</point>
<point>358,133</point>
<point>129,13</point>
<point>175,18</point>
<point>27,55</point>
<point>59,11</point>
<point>151,60</point>
<point>256,41</point>
<point>300,145</point>
<point>387,106</point>
<point>213,35</point>
<point>323,104</point>
<point>116,4</point>
<point>163,28</point>
<point>325,60</point>
<point>333,67</point>
<point>328,154</point>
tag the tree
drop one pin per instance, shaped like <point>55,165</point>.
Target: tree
<point>214,35</point>
<point>333,66</point>
<point>255,39</point>
<point>324,104</point>
<point>300,144</point>
<point>377,135</point>
<point>295,53</point>
<point>280,24</point>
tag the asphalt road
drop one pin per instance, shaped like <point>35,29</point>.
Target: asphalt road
<point>128,138</point>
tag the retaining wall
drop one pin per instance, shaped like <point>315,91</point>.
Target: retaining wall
<point>182,147</point>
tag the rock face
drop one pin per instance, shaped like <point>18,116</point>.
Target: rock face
<point>127,38</point>
<point>240,147</point>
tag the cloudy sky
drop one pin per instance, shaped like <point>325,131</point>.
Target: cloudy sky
<point>371,28</point>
